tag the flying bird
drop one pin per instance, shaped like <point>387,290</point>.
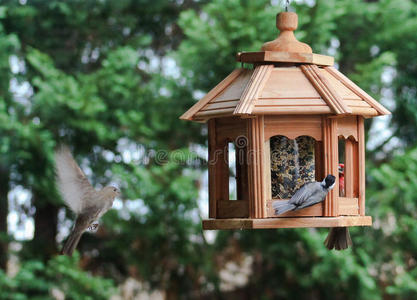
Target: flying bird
<point>309,194</point>
<point>80,196</point>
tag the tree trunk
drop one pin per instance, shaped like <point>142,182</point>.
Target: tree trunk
<point>4,210</point>
<point>46,222</point>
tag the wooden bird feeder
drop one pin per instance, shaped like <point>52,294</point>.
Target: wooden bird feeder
<point>290,119</point>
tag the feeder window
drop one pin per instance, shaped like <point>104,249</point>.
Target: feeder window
<point>237,165</point>
<point>348,167</point>
<point>241,158</point>
<point>341,166</point>
<point>292,164</point>
<point>232,170</point>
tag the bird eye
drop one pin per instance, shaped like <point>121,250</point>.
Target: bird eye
<point>114,190</point>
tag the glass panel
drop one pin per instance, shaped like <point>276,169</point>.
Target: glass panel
<point>292,164</point>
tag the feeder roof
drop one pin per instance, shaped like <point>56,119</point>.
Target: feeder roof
<point>287,79</point>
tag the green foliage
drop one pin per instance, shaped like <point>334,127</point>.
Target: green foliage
<point>61,274</point>
<point>110,78</point>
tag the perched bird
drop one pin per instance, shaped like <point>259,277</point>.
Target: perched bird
<point>308,195</point>
<point>80,196</point>
<point>339,237</point>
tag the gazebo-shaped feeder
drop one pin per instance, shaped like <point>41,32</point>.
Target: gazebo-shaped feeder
<point>291,119</point>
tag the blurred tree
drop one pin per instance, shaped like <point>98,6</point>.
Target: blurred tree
<point>59,277</point>
<point>88,89</point>
<point>8,46</point>
<point>110,78</point>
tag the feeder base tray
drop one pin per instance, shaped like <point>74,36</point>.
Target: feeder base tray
<point>303,222</point>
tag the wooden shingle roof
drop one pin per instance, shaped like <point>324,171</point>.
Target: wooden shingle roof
<point>287,79</point>
<point>269,90</point>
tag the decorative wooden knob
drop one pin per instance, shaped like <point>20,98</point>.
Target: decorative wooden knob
<point>287,22</point>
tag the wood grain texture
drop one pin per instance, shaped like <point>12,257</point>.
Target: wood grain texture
<point>364,111</point>
<point>348,206</point>
<point>188,115</point>
<point>212,168</point>
<point>312,211</point>
<point>289,83</point>
<point>290,102</point>
<point>361,158</point>
<point>292,110</point>
<point>267,170</point>
<point>285,57</point>
<point>221,132</point>
<point>221,104</point>
<point>356,103</point>
<point>230,128</point>
<point>286,23</point>
<point>358,91</point>
<point>294,126</point>
<point>252,90</point>
<point>233,209</point>
<point>215,113</point>
<point>342,90</point>
<point>257,201</point>
<point>327,92</point>
<point>319,160</point>
<point>303,222</point>
<point>235,89</point>
<point>347,126</point>
<point>331,163</point>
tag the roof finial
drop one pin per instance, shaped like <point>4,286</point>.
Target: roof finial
<point>287,22</point>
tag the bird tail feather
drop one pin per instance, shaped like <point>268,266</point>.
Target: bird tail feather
<point>281,207</point>
<point>338,239</point>
<point>71,243</point>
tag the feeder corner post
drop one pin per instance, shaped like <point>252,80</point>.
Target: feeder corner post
<point>257,182</point>
<point>331,159</point>
<point>362,179</point>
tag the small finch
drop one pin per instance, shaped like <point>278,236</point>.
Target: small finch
<point>80,196</point>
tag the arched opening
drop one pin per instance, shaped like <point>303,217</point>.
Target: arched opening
<point>341,166</point>
<point>232,170</point>
<point>236,160</point>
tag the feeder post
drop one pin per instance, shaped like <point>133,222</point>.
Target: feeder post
<point>331,154</point>
<point>361,146</point>
<point>212,168</point>
<point>257,183</point>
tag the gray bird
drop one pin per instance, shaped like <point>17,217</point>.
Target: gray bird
<point>80,196</point>
<point>309,194</point>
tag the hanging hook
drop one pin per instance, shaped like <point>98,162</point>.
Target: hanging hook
<point>286,5</point>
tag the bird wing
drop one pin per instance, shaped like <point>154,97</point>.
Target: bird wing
<point>74,186</point>
<point>318,195</point>
<point>303,194</point>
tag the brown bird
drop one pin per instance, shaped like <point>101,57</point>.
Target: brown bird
<point>80,196</point>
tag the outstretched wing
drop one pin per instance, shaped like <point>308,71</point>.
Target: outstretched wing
<point>74,186</point>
